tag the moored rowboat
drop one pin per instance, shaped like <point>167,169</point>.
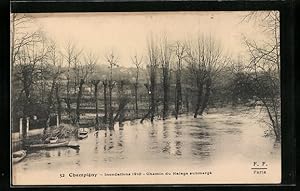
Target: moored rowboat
<point>82,134</point>
<point>50,145</point>
<point>53,140</point>
<point>18,156</point>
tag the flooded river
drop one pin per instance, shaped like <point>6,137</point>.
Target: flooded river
<point>225,143</point>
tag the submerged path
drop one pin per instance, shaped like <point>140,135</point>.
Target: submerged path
<point>217,140</point>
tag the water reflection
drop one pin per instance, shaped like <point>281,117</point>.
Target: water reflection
<point>171,139</point>
<point>178,140</point>
<point>202,141</point>
<point>120,143</point>
<point>153,142</point>
<point>178,148</point>
<point>77,162</point>
<point>170,142</point>
<point>166,142</point>
<point>96,143</point>
<point>165,131</point>
<point>108,141</point>
<point>178,128</point>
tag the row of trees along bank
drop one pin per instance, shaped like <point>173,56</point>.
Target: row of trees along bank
<point>172,78</point>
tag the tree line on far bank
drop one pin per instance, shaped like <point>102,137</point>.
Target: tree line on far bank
<point>172,78</point>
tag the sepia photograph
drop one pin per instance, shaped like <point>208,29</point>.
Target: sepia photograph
<point>116,98</point>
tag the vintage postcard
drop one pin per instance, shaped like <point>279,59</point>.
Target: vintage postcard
<point>145,98</point>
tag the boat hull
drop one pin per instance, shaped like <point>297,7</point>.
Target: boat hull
<point>18,156</point>
<point>82,136</point>
<point>53,140</point>
<point>50,145</point>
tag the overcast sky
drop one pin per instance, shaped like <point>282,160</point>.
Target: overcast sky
<point>127,33</point>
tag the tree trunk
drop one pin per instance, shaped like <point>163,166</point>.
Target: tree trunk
<point>111,120</point>
<point>95,83</point>
<point>178,95</point>
<point>149,109</point>
<point>50,96</point>
<point>120,111</point>
<point>58,102</point>
<point>152,100</point>
<point>152,97</point>
<point>275,124</point>
<point>206,96</point>
<point>68,99</point>
<point>176,106</point>
<point>96,101</point>
<point>146,116</point>
<point>79,100</point>
<point>136,99</point>
<point>105,101</point>
<point>187,102</point>
<point>26,83</point>
<point>27,90</point>
<point>166,92</point>
<point>121,107</point>
<point>199,98</point>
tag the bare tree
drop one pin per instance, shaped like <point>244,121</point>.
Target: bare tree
<point>239,91</point>
<point>195,60</point>
<point>51,70</point>
<point>55,63</point>
<point>264,65</point>
<point>29,72</point>
<point>104,82</point>
<point>123,100</point>
<point>164,59</point>
<point>69,53</point>
<point>85,69</point>
<point>28,63</point>
<point>23,42</point>
<point>137,63</point>
<point>58,100</point>
<point>214,63</point>
<point>180,52</point>
<point>112,60</point>
<point>205,62</point>
<point>95,83</point>
<point>77,68</point>
<point>153,56</point>
<point>19,36</point>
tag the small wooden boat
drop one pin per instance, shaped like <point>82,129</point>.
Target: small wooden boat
<point>50,145</point>
<point>53,140</point>
<point>82,134</point>
<point>18,156</point>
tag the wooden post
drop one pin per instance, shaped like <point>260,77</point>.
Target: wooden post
<point>57,121</point>
<point>27,125</point>
<point>21,128</point>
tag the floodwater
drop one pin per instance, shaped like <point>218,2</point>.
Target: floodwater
<point>226,143</point>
